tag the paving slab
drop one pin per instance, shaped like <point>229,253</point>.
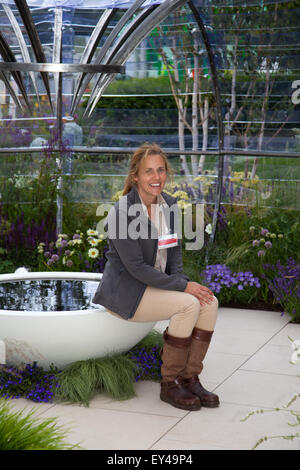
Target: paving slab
<point>247,365</point>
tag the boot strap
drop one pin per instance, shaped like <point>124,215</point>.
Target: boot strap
<point>174,383</point>
<point>202,335</point>
<point>181,343</point>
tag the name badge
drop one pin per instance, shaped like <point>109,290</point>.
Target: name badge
<point>167,241</point>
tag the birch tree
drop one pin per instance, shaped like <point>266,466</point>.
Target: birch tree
<point>191,95</point>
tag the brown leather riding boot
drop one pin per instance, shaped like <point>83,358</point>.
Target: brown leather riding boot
<point>198,349</point>
<point>174,358</point>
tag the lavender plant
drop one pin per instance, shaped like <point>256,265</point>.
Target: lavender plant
<point>284,282</point>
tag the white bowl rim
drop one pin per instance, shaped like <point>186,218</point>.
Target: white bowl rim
<point>45,275</point>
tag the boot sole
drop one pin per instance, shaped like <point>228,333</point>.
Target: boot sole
<point>210,405</point>
<point>182,407</point>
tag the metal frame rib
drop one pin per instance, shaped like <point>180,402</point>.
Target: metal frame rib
<point>9,57</point>
<point>34,40</point>
<point>56,57</point>
<point>134,36</point>
<point>88,53</point>
<point>22,44</point>
<point>79,90</point>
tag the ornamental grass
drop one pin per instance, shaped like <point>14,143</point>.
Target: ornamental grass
<point>23,431</point>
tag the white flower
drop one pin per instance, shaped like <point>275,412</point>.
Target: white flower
<point>92,233</point>
<point>295,358</point>
<point>296,344</point>
<point>93,241</point>
<point>208,229</point>
<point>93,253</point>
<point>266,195</point>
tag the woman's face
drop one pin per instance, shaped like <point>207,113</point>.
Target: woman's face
<point>151,178</point>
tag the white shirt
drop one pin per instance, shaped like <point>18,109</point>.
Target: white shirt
<point>158,219</point>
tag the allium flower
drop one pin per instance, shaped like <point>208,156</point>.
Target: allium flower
<point>261,253</point>
<point>255,243</point>
<point>76,236</point>
<point>69,263</point>
<point>93,253</point>
<point>54,258</point>
<point>268,245</point>
<point>264,231</point>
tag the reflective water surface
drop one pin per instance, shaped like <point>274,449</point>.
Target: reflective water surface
<point>47,295</point>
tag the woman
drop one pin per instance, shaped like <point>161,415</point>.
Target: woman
<point>144,281</point>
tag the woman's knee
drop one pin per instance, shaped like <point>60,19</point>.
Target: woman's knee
<point>193,306</point>
<point>208,315</point>
<point>215,302</point>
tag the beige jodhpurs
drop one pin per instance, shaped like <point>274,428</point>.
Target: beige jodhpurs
<point>183,310</point>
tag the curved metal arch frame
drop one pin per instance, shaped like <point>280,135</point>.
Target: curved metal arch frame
<point>108,69</point>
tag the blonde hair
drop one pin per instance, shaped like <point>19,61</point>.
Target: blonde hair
<point>142,152</point>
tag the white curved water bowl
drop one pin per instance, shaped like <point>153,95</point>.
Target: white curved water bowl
<point>67,336</point>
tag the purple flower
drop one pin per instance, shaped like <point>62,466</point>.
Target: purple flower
<point>261,253</point>
<point>76,236</point>
<point>268,245</point>
<point>54,258</point>
<point>264,231</point>
<point>255,243</point>
<point>69,263</point>
<point>220,276</point>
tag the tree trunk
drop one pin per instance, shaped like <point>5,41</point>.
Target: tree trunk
<point>195,133</point>
<point>205,113</point>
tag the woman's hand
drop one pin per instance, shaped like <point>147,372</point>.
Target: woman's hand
<point>203,294</point>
